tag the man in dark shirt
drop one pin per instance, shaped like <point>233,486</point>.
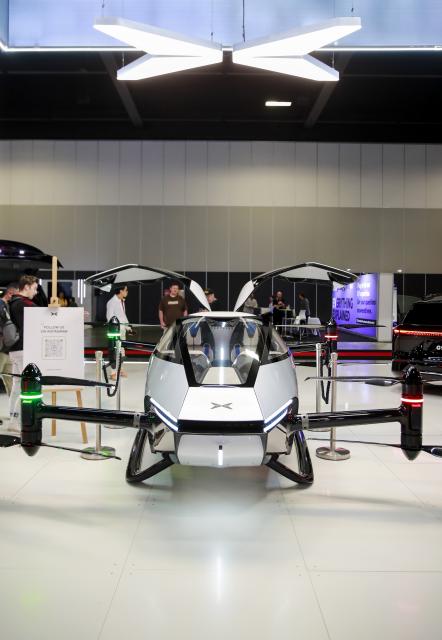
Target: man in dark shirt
<point>279,305</point>
<point>304,305</point>
<point>27,289</point>
<point>172,306</point>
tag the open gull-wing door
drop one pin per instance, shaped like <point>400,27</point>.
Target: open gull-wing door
<point>138,274</point>
<point>303,272</point>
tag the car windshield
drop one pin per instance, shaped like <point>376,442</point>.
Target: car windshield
<point>425,313</point>
<point>223,350</point>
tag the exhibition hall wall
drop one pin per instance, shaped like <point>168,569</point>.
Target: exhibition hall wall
<point>225,206</point>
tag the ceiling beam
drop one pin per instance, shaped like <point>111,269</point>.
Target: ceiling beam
<point>122,90</point>
<point>325,94</point>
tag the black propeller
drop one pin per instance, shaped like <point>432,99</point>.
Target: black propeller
<point>378,381</point>
<point>7,440</point>
<point>431,449</point>
<point>76,382</point>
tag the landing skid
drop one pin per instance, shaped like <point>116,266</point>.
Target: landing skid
<point>305,475</point>
<point>133,473</point>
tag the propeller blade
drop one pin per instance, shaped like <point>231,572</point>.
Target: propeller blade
<point>433,450</point>
<point>431,377</point>
<point>303,346</point>
<point>375,380</point>
<point>359,326</point>
<point>7,440</point>
<point>76,382</point>
<point>53,446</point>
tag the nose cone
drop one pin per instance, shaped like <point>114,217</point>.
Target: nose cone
<point>411,455</point>
<point>30,449</point>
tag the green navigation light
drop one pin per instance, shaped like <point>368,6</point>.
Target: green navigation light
<point>29,397</point>
<point>113,335</point>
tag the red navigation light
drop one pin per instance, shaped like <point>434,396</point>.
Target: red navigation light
<point>329,337</point>
<point>413,401</point>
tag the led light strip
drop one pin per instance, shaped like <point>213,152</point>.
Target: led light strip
<point>164,415</point>
<point>410,332</point>
<point>276,417</point>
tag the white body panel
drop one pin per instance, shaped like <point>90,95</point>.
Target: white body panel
<point>236,451</point>
<point>201,403</point>
<point>167,384</point>
<point>275,385</point>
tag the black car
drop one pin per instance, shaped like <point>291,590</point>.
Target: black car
<point>419,337</point>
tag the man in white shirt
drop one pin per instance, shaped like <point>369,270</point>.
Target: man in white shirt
<point>116,307</point>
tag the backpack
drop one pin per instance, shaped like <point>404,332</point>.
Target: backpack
<point>9,334</point>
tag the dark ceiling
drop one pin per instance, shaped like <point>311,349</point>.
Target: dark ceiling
<point>380,97</point>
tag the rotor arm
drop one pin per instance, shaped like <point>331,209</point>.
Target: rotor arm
<point>105,416</point>
<point>408,415</point>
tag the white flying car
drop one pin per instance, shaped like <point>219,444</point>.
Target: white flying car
<point>221,390</point>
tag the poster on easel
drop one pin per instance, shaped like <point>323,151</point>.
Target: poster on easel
<point>54,340</point>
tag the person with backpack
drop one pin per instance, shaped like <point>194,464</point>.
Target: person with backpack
<point>27,289</point>
<point>8,335</point>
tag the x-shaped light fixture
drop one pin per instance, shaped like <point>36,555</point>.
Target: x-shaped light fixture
<point>283,53</point>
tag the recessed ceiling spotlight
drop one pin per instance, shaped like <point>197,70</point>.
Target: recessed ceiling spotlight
<point>399,270</point>
<point>278,103</point>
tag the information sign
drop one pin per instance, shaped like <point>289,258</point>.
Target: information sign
<point>54,340</point>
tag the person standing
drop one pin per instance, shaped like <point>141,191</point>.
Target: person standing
<point>5,360</point>
<point>279,305</point>
<point>27,290</point>
<point>116,306</point>
<point>304,305</point>
<point>172,306</point>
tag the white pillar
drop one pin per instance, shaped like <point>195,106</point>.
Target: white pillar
<point>385,307</point>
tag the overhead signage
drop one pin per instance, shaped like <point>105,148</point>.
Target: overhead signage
<point>357,303</point>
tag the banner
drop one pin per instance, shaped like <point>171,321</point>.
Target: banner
<point>357,303</point>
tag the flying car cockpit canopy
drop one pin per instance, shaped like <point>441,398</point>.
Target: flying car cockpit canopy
<point>221,349</point>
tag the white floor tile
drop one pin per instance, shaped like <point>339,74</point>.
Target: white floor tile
<point>397,606</point>
<point>54,604</point>
<point>215,602</point>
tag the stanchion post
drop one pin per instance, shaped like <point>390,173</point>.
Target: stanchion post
<point>119,357</point>
<point>332,452</point>
<point>98,452</point>
<point>318,375</point>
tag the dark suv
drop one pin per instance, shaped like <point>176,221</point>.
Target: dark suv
<point>419,337</point>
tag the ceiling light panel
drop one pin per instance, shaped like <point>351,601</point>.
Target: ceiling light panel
<point>167,52</point>
<point>287,53</point>
<point>306,67</point>
<point>151,66</point>
<point>299,42</point>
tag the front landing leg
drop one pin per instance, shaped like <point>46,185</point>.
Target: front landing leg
<point>305,475</point>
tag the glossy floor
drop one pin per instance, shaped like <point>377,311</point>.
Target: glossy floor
<point>232,553</point>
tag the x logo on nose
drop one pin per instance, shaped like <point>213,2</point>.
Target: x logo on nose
<point>215,405</point>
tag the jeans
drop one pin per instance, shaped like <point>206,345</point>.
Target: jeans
<point>14,398</point>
